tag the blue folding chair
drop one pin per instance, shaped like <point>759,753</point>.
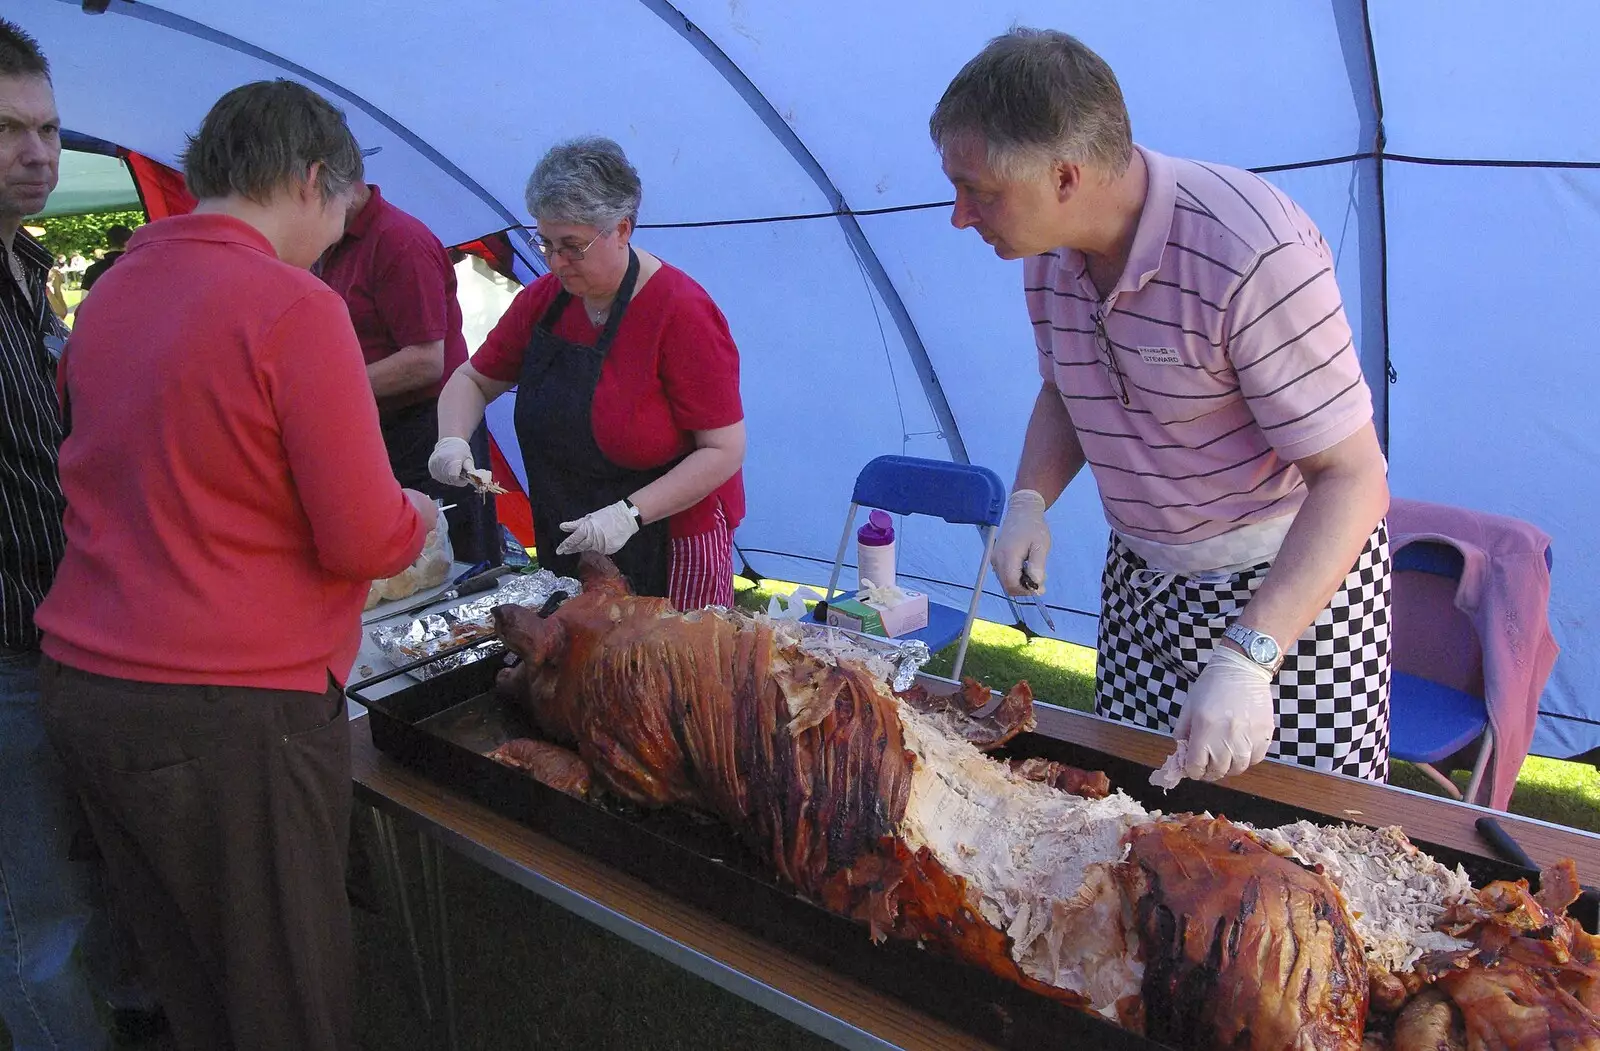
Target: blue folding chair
<point>962,494</point>
<point>1428,721</point>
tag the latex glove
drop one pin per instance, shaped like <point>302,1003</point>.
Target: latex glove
<point>450,462</point>
<point>1228,717</point>
<point>605,530</point>
<point>1024,538</point>
<point>425,507</point>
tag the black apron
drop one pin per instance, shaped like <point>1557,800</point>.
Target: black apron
<point>568,475</point>
<point>409,435</point>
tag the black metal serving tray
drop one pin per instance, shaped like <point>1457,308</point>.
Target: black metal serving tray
<point>440,726</point>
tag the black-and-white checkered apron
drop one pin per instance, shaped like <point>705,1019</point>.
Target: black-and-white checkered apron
<point>1157,631</point>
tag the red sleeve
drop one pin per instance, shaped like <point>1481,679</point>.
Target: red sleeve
<point>411,293</point>
<point>700,367</point>
<point>500,357</point>
<point>363,525</point>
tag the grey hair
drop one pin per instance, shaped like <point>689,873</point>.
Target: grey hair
<point>585,181</point>
<point>1034,97</point>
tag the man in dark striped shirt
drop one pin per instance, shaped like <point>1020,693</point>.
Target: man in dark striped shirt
<point>45,902</point>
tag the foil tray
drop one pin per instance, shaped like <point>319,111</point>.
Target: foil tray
<point>410,640</point>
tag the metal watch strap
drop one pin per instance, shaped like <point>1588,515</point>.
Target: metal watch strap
<point>1244,637</point>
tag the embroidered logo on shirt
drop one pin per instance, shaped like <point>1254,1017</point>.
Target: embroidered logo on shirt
<point>1159,356</point>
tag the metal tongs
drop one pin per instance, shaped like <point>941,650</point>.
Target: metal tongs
<point>1037,594</point>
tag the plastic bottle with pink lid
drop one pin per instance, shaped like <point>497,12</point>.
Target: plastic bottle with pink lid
<point>875,550</point>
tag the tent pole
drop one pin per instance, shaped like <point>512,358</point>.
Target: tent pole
<point>881,283</point>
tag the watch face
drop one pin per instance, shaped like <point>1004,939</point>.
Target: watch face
<point>1263,650</point>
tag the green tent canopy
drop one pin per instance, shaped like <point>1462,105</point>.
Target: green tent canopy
<point>91,182</point>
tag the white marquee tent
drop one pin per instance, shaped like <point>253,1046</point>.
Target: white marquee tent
<point>1441,146</point>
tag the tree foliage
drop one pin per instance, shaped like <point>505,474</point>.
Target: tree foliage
<point>69,235</point>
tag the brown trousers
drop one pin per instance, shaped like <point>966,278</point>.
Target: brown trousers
<point>223,814</point>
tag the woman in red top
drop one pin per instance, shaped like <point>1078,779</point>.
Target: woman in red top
<point>627,411</point>
<point>229,501</point>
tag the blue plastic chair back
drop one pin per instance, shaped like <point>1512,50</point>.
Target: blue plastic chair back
<point>1430,556</point>
<point>1428,721</point>
<point>956,492</point>
<point>1442,559</point>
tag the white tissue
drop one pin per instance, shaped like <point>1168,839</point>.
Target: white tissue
<point>1169,773</point>
<point>885,597</point>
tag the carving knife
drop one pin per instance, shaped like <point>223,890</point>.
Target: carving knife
<point>1038,597</point>
<point>1510,850</point>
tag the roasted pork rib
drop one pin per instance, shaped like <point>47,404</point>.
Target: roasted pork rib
<point>1242,948</point>
<point>549,764</point>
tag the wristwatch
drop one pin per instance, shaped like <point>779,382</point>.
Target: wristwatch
<point>1258,646</point>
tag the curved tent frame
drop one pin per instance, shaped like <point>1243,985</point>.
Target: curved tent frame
<point>1442,146</point>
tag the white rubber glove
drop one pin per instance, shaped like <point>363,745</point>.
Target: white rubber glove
<point>1228,717</point>
<point>425,507</point>
<point>1024,538</point>
<point>450,462</point>
<point>605,530</point>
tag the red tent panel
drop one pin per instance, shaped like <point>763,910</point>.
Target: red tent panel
<point>161,188</point>
<point>512,508</point>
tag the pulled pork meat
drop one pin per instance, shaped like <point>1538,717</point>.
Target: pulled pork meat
<point>958,712</point>
<point>1396,893</point>
<point>1193,930</point>
<point>1090,784</point>
<point>1530,978</point>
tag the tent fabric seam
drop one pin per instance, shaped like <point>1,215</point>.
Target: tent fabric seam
<point>199,31</point>
<point>879,278</point>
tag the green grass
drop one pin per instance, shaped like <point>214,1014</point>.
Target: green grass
<point>1062,673</point>
<point>1548,789</point>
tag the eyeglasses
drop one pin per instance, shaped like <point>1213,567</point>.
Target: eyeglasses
<point>1108,357</point>
<point>572,254</point>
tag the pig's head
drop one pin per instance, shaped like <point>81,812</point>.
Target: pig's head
<point>533,684</point>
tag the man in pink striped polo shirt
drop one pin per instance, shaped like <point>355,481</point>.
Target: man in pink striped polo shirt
<point>1195,355</point>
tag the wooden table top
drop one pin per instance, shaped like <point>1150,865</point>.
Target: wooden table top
<point>383,780</point>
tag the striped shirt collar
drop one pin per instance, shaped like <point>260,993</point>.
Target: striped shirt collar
<point>31,251</point>
<point>1151,234</point>
<point>1155,222</point>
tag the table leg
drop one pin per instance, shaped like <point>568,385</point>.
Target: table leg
<point>433,886</point>
<point>394,874</point>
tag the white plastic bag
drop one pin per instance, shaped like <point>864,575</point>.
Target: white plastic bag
<point>428,571</point>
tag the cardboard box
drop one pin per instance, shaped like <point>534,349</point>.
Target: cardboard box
<point>875,618</point>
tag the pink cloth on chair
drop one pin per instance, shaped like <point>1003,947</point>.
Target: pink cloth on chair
<point>1505,593</point>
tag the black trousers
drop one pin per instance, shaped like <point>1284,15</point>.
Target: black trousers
<point>410,434</point>
<point>223,815</point>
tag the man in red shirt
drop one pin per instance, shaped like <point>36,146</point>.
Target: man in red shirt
<point>396,278</point>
